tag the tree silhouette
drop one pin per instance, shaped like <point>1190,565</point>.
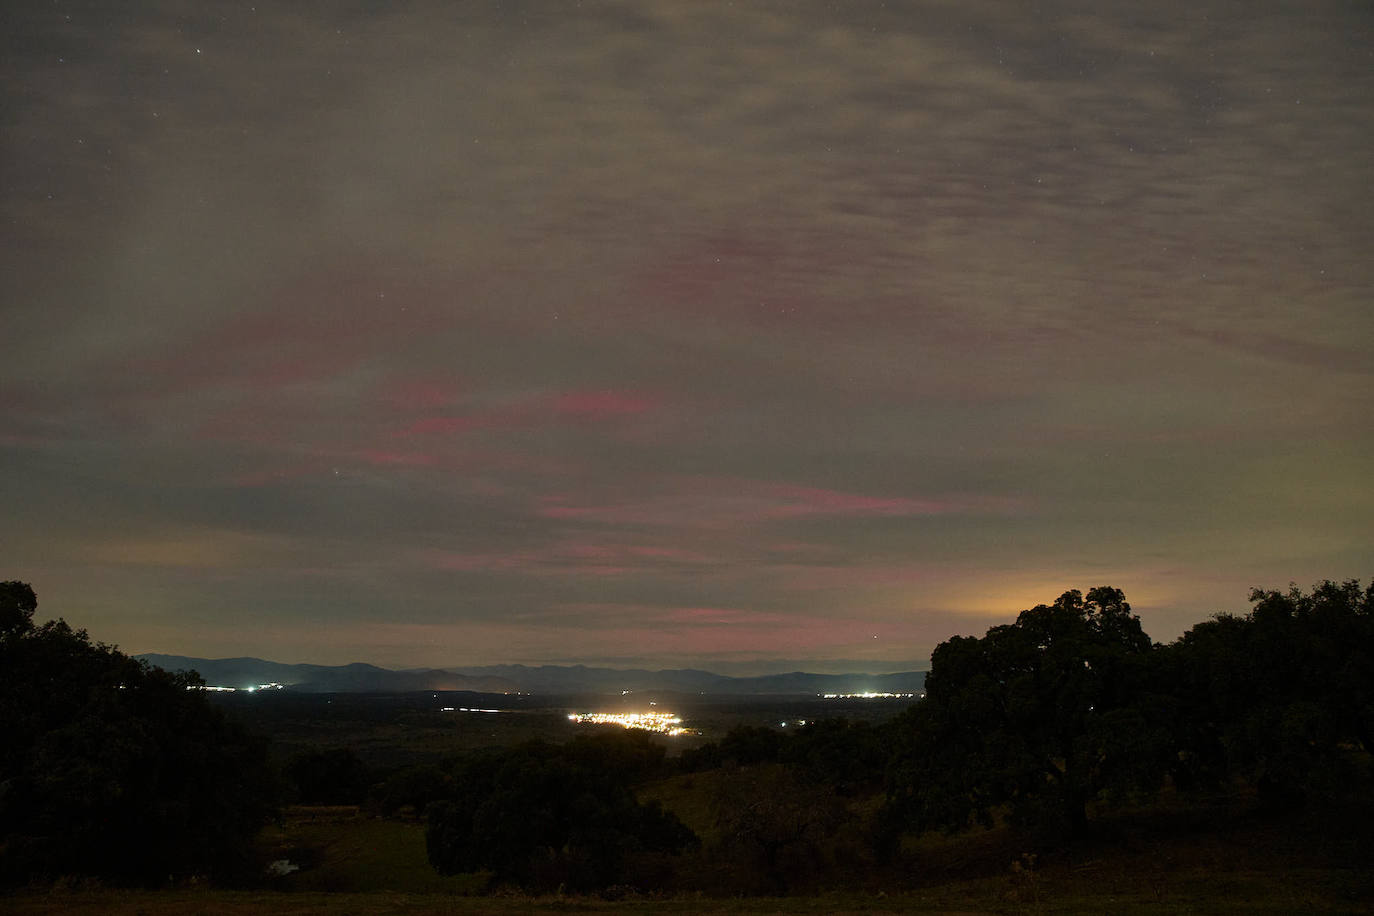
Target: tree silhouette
<point>113,768</point>
<point>17,604</point>
<point>773,826</point>
<point>546,817</point>
<point>1042,715</point>
<point>1280,696</point>
<point>328,777</point>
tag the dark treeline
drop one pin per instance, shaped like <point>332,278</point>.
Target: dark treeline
<point>1073,705</point>
<point>1040,727</point>
<point>111,768</point>
<point>549,816</point>
<point>1038,724</point>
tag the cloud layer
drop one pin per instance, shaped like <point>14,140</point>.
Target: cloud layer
<point>677,333</point>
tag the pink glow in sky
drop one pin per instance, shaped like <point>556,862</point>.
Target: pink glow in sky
<point>443,334</point>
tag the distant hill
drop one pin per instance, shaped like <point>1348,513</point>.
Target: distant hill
<point>582,679</point>
<point>544,679</point>
<point>355,678</point>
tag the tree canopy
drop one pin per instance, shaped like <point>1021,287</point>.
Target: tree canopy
<point>545,817</point>
<point>1281,694</point>
<point>1073,704</point>
<point>112,768</point>
<point>1041,715</point>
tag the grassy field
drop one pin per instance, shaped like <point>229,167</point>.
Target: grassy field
<point>341,850</point>
<point>1251,892</point>
<point>392,730</point>
<point>1156,861</point>
<point>1225,856</point>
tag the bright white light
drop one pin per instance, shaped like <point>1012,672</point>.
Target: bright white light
<point>665,723</point>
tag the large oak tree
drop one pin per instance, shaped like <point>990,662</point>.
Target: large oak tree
<point>1041,716</point>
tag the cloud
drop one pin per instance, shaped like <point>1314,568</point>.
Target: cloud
<point>703,502</point>
<point>601,404</point>
<point>432,316</point>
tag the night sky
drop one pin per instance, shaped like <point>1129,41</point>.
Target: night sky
<point>745,336</point>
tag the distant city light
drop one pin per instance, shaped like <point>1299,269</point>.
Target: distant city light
<point>871,696</point>
<point>272,686</point>
<point>664,723</point>
<point>465,709</point>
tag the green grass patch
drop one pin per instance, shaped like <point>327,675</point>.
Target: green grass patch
<point>1168,858</point>
<point>341,850</point>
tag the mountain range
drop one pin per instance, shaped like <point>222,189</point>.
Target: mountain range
<point>543,679</point>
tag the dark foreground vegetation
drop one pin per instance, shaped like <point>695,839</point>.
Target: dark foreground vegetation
<point>112,769</point>
<point>1063,761</point>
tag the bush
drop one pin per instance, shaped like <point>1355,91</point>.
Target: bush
<point>545,817</point>
<point>329,777</point>
<point>411,787</point>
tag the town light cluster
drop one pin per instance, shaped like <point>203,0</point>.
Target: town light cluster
<point>272,686</point>
<point>868,696</point>
<point>665,723</point>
